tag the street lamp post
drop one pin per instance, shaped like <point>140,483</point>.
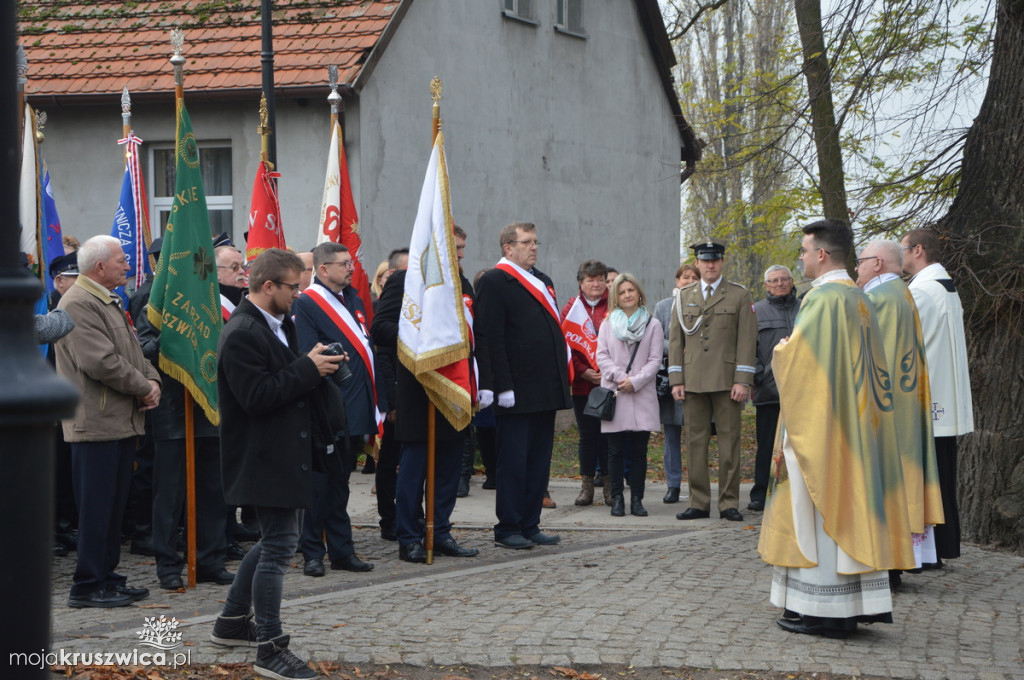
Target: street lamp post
<point>32,399</point>
<point>267,63</point>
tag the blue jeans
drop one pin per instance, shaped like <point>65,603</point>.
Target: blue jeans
<point>673,456</point>
<point>259,581</point>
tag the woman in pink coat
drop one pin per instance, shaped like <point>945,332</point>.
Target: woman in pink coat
<point>636,411</point>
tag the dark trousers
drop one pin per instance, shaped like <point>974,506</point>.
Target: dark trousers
<point>327,514</point>
<point>66,516</point>
<point>487,440</point>
<point>524,461</point>
<point>387,476</point>
<point>259,581</point>
<point>102,476</point>
<point>766,423</point>
<point>140,497</point>
<point>170,487</point>
<point>593,446</point>
<point>412,473</point>
<point>947,536</point>
<point>631,446</point>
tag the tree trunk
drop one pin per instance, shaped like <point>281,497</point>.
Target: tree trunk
<point>823,117</point>
<point>983,247</point>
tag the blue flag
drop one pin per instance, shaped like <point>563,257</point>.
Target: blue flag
<point>131,226</point>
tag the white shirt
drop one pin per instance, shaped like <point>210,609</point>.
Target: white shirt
<point>276,323</point>
<point>879,280</point>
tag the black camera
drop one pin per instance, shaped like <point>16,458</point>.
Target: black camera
<point>336,349</point>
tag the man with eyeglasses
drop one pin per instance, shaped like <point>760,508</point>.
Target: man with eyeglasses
<point>230,275</point>
<point>524,361</point>
<point>711,352</point>
<point>278,421</point>
<point>878,273</point>
<point>775,317</point>
<point>836,515</point>
<point>329,311</point>
<point>942,322</point>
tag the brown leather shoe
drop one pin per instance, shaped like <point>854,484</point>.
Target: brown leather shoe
<point>549,504</point>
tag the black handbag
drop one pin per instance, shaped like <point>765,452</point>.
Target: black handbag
<point>601,401</point>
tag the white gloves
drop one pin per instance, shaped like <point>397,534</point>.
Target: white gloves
<point>507,399</point>
<point>484,398</point>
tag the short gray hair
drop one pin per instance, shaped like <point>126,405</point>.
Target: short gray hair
<point>891,250</point>
<point>96,250</point>
<point>777,268</point>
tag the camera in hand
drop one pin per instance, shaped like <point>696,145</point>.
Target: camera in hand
<point>336,349</point>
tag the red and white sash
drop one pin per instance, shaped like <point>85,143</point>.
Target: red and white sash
<point>544,294</point>
<point>226,308</point>
<point>354,331</point>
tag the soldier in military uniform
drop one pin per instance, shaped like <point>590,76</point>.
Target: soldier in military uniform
<point>711,352</point>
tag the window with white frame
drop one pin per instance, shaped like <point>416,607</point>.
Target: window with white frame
<point>215,163</point>
<point>522,10</point>
<point>569,17</point>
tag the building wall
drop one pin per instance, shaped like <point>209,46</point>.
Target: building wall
<point>573,135</point>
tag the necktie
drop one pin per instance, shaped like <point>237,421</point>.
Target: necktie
<point>707,292</point>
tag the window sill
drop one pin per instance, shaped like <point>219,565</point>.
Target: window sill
<point>575,34</point>
<point>509,14</point>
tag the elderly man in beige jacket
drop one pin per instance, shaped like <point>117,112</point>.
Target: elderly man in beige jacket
<point>102,357</point>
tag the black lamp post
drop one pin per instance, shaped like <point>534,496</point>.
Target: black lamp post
<point>32,399</point>
<point>267,63</point>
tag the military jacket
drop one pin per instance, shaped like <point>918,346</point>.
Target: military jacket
<point>712,344</point>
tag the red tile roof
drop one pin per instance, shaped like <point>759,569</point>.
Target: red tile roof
<point>94,48</point>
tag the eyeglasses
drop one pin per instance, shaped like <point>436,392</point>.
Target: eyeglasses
<point>865,259</point>
<point>348,264</point>
<point>773,282</point>
<point>293,286</point>
<point>529,243</point>
<point>233,267</point>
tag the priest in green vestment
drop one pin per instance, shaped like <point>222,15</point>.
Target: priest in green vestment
<point>878,273</point>
<point>836,519</point>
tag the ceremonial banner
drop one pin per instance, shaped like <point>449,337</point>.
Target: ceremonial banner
<point>265,230</point>
<point>40,224</point>
<point>579,332</point>
<point>437,351</point>
<point>131,220</point>
<point>339,221</point>
<point>185,301</point>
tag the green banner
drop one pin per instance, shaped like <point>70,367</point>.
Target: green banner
<point>185,300</point>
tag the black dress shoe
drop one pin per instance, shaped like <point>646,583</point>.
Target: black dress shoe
<point>313,568</point>
<point>223,577</point>
<point>672,495</point>
<point>790,614</point>
<point>102,598</point>
<point>59,550</point>
<point>513,542</point>
<point>244,533</point>
<point>618,508</point>
<point>693,513</point>
<point>234,552</point>
<point>451,548</point>
<point>142,546</point>
<point>350,563</point>
<point>388,534</point>
<point>756,506</point>
<point>463,489</point>
<point>731,514</point>
<point>806,626</point>
<point>370,466</point>
<point>636,507</point>
<point>414,552</point>
<point>489,484</point>
<point>541,538</point>
<point>172,582</point>
<point>135,593</point>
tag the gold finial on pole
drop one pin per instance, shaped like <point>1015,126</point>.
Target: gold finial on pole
<point>126,120</point>
<point>435,93</point>
<point>264,130</point>
<point>178,61</point>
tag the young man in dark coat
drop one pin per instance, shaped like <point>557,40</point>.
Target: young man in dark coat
<point>523,360</point>
<point>276,426</point>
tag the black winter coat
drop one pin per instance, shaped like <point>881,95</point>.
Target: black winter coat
<point>520,346</point>
<point>272,406</point>
<point>775,318</point>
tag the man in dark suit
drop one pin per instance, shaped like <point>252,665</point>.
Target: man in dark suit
<point>411,431</point>
<point>330,311</point>
<point>523,360</point>
<point>276,426</point>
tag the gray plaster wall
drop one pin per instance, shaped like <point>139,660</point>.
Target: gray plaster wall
<point>574,135</point>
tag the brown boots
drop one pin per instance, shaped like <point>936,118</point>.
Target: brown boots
<point>586,496</point>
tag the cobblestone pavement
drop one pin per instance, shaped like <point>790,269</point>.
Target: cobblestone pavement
<point>647,592</point>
